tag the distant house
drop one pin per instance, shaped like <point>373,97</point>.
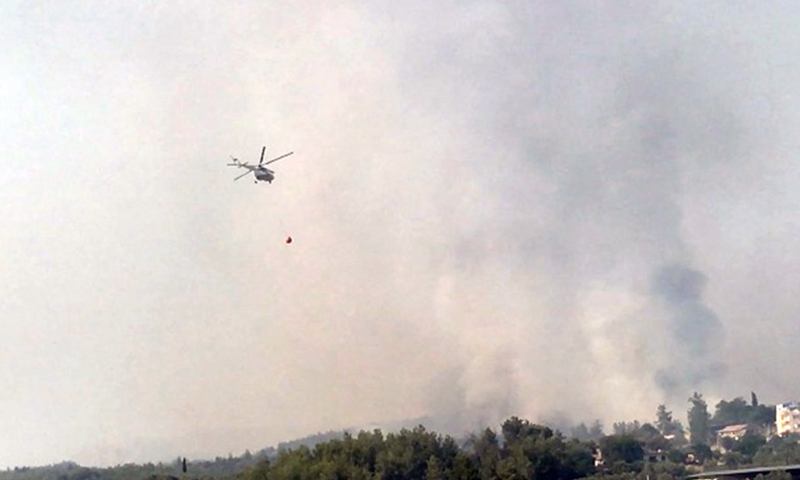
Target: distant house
<point>654,456</point>
<point>728,435</point>
<point>735,432</point>
<point>787,418</point>
<point>651,456</point>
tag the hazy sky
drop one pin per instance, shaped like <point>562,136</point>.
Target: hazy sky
<point>552,209</point>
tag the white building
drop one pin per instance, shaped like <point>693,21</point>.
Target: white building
<point>734,432</point>
<point>787,418</point>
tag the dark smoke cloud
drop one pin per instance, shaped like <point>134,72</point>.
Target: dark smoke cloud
<point>696,332</point>
<point>596,122</point>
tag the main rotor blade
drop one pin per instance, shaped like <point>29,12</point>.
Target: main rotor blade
<point>276,159</point>
<point>263,149</point>
<point>242,175</point>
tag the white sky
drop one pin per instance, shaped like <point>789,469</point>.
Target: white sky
<point>480,197</point>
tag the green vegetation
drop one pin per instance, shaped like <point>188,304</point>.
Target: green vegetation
<point>737,411</point>
<point>698,420</point>
<point>519,450</point>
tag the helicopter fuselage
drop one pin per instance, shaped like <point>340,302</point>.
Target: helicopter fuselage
<point>264,174</point>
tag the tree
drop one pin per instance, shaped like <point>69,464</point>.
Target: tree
<point>516,465</point>
<point>698,420</point>
<point>464,468</point>
<point>433,470</point>
<point>701,452</point>
<point>727,443</point>
<point>652,438</point>
<point>671,429</point>
<point>258,472</point>
<point>596,430</point>
<point>487,453</point>
<point>779,451</point>
<point>516,430</point>
<point>739,411</point>
<point>748,445</point>
<point>580,431</point>
<point>762,415</point>
<point>664,420</point>
<point>577,460</point>
<point>626,428</point>
<point>621,448</point>
<point>731,412</point>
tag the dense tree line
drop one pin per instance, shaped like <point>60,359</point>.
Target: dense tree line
<point>521,450</point>
<point>661,450</point>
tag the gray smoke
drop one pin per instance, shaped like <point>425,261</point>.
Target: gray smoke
<point>695,333</point>
<point>593,134</point>
<point>548,209</point>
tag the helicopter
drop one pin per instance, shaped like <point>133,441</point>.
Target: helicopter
<point>261,172</point>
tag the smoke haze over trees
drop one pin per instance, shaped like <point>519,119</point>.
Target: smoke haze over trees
<point>518,449</point>
<point>560,211</point>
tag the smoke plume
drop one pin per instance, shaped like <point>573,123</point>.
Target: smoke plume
<point>565,211</point>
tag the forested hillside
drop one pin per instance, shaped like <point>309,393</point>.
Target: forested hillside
<point>519,449</point>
